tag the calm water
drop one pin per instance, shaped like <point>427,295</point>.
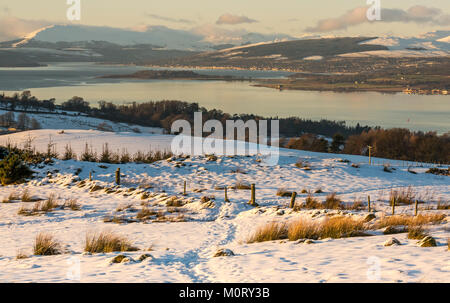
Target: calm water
<point>62,81</point>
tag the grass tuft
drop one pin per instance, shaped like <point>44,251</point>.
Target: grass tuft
<point>403,220</point>
<point>46,245</point>
<point>336,227</point>
<point>105,242</point>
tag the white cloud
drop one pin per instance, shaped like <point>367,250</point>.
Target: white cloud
<point>415,14</point>
<point>234,19</point>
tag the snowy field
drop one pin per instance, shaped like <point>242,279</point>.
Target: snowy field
<point>183,244</point>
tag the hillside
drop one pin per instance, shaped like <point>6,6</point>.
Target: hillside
<point>181,234</point>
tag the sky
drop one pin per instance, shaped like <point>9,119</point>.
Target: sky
<point>296,18</point>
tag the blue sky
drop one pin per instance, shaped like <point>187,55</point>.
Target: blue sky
<point>292,17</point>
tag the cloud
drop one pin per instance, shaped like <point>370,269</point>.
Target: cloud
<point>415,14</point>
<point>168,19</point>
<point>12,28</point>
<point>234,19</point>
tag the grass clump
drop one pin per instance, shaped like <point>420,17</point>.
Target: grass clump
<point>72,204</point>
<point>312,203</point>
<point>417,233</point>
<point>269,232</point>
<point>332,201</point>
<point>404,196</point>
<point>403,220</point>
<point>336,227</point>
<point>282,192</point>
<point>46,245</point>
<point>242,185</point>
<point>106,242</point>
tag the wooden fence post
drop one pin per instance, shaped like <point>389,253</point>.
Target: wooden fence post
<point>294,195</point>
<point>184,188</point>
<point>253,198</point>
<point>226,194</point>
<point>416,208</point>
<point>118,176</point>
<point>368,202</point>
<point>90,176</point>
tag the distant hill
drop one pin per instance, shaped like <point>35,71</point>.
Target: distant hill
<point>265,54</point>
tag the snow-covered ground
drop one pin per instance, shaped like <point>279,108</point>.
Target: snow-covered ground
<point>183,251</point>
<point>81,122</point>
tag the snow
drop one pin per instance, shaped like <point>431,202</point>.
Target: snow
<point>183,251</point>
<point>80,122</point>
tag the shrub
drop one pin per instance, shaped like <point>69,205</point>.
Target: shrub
<point>106,242</point>
<point>69,154</point>
<point>13,170</point>
<point>88,154</point>
<point>46,245</point>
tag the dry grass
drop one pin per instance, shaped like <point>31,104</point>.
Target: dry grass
<point>442,205</point>
<point>336,227</point>
<point>40,207</point>
<point>145,214</point>
<point>269,232</point>
<point>11,198</point>
<point>174,202</point>
<point>105,242</point>
<point>403,196</point>
<point>417,232</point>
<point>26,196</point>
<point>72,204</point>
<point>242,185</point>
<point>303,164</point>
<point>46,245</point>
<point>332,201</point>
<point>283,192</point>
<point>21,255</point>
<point>312,203</point>
<point>403,220</point>
<point>50,204</point>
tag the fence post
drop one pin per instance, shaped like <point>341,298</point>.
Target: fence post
<point>226,194</point>
<point>368,202</point>
<point>184,188</point>
<point>90,176</point>
<point>118,176</point>
<point>253,198</point>
<point>416,208</point>
<point>294,195</point>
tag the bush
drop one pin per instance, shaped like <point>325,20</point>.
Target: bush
<point>13,170</point>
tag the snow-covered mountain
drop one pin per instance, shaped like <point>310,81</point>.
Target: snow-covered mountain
<point>433,41</point>
<point>155,35</point>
